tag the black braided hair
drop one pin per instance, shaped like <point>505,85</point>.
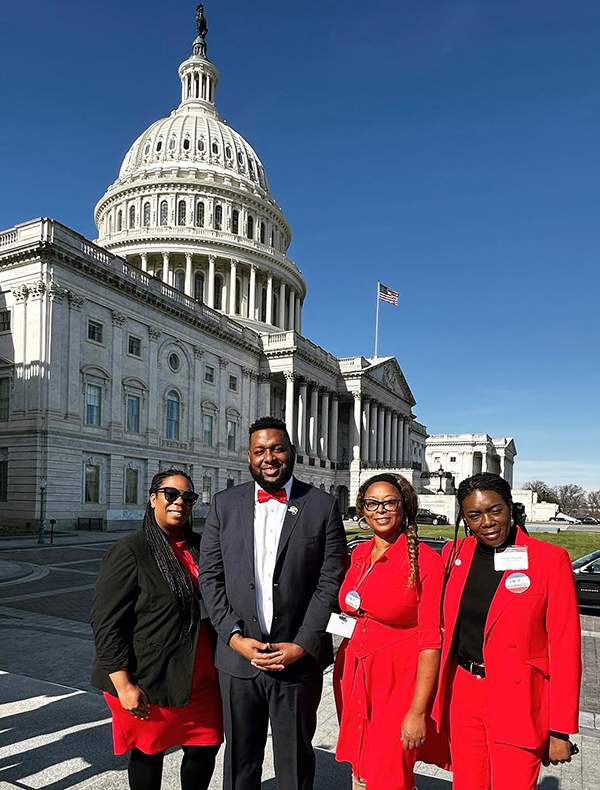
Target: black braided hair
<point>174,574</point>
<point>484,481</point>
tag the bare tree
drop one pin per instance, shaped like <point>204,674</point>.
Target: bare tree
<point>571,498</point>
<point>593,503</point>
<point>543,490</point>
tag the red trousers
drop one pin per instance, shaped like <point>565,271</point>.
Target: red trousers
<point>478,762</point>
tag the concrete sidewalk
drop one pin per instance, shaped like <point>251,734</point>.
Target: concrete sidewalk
<point>57,737</point>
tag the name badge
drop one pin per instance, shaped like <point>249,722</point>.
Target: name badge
<point>353,600</point>
<point>341,625</point>
<point>517,582</point>
<point>512,558</point>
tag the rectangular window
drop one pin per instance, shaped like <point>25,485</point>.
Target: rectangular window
<point>452,459</point>
<point>95,331</point>
<point>206,490</point>
<point>207,430</point>
<point>133,414</point>
<point>92,483</point>
<point>231,435</point>
<point>135,346</point>
<point>230,482</point>
<point>4,398</point>
<point>3,481</point>
<point>93,406</point>
<point>131,486</point>
<point>4,320</point>
<point>233,383</point>
<point>209,374</point>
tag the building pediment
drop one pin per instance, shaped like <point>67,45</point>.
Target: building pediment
<point>388,373</point>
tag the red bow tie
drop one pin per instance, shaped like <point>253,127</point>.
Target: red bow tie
<point>264,496</point>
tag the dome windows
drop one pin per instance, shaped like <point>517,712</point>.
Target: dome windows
<point>250,227</point>
<point>132,216</point>
<point>186,144</point>
<point>159,146</point>
<point>251,168</point>
<point>199,286</point>
<point>147,149</point>
<point>240,159</point>
<point>218,292</point>
<point>201,145</point>
<point>263,232</point>
<point>200,214</point>
<point>119,220</point>
<point>218,224</point>
<point>172,144</point>
<point>146,215</point>
<point>164,212</point>
<point>235,221</point>
<point>228,152</point>
<point>181,212</point>
<point>180,286</point>
<point>215,147</point>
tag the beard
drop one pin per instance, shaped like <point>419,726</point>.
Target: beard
<point>270,486</point>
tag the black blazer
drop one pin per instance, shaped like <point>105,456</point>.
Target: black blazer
<point>310,564</point>
<point>136,624</point>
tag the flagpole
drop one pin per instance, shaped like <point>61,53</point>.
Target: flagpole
<point>377,321</point>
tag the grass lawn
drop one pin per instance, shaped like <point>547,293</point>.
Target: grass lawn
<point>576,543</point>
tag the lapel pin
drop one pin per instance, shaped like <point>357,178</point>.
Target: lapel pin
<point>458,562</point>
<point>293,510</point>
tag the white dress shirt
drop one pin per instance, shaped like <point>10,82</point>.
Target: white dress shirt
<point>268,523</point>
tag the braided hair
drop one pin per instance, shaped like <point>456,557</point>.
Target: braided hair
<point>174,574</point>
<point>484,481</point>
<point>411,507</point>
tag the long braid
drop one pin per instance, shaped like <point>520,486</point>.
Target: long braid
<point>413,555</point>
<point>174,574</point>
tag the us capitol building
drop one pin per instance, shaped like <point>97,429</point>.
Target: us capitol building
<point>160,342</point>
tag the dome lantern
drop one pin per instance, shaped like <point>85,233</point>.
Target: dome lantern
<point>199,77</point>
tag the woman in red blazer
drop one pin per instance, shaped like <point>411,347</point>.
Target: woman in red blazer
<point>511,657</point>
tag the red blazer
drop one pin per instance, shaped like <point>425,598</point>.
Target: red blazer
<point>531,648</point>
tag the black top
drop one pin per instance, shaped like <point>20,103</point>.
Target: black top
<point>480,588</point>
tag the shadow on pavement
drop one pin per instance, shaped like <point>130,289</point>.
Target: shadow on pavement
<point>549,783</point>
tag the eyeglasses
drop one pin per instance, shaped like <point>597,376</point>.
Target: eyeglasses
<point>173,494</point>
<point>389,505</point>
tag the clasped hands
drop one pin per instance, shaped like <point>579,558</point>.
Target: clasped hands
<point>280,655</point>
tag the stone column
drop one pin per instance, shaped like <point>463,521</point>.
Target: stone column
<point>282,305</point>
<point>484,460</point>
<point>269,299</point>
<point>333,440</point>
<point>400,440</point>
<point>144,261</point>
<point>166,275</point>
<point>292,310</point>
<point>265,394</point>
<point>313,421</point>
<point>324,439</point>
<point>388,437</point>
<point>405,443</point>
<point>394,450</point>
<point>302,404</point>
<point>189,285</point>
<point>197,404</point>
<point>244,299</point>
<point>232,286</point>
<point>73,388</point>
<point>289,376</point>
<point>373,422</point>
<point>356,418</point>
<point>211,281</point>
<point>503,466</point>
<point>247,413</point>
<point>252,294</point>
<point>116,411</point>
<point>366,434</point>
<point>381,435</point>
<point>152,432</point>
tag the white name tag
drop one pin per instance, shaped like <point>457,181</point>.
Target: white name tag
<point>512,558</point>
<point>341,625</point>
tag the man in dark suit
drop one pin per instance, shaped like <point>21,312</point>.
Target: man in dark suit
<point>273,553</point>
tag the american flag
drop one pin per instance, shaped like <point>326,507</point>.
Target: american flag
<point>387,295</point>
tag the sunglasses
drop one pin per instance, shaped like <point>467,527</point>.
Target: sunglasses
<point>173,494</point>
<point>389,505</point>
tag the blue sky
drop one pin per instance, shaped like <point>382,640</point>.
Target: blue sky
<point>448,148</point>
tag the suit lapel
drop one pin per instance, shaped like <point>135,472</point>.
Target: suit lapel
<point>458,578</point>
<point>247,522</point>
<point>504,597</point>
<point>292,514</point>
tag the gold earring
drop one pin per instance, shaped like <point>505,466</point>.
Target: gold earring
<point>362,521</point>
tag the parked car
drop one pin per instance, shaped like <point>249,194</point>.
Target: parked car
<point>429,517</point>
<point>437,544</point>
<point>587,579</point>
<point>589,520</point>
<point>565,519</point>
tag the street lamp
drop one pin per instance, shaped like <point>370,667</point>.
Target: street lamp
<point>440,473</point>
<point>43,485</point>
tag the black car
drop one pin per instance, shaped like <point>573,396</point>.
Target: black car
<point>587,579</point>
<point>589,520</point>
<point>437,544</point>
<point>429,517</point>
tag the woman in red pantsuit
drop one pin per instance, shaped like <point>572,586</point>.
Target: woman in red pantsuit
<point>511,659</point>
<point>154,656</point>
<point>389,665</point>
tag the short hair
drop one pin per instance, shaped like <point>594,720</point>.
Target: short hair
<point>269,423</point>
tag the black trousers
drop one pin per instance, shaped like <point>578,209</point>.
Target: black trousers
<point>291,707</point>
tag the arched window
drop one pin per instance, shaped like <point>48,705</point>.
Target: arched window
<point>263,232</point>
<point>218,217</point>
<point>263,305</point>
<point>119,220</point>
<point>173,412</point>
<point>218,292</point>
<point>147,149</point>
<point>215,147</point>
<point>238,296</point>
<point>251,167</point>
<point>235,221</point>
<point>181,212</point>
<point>132,216</point>
<point>164,212</point>
<point>240,158</point>
<point>146,215</point>
<point>199,287</point>
<point>159,145</point>
<point>110,225</point>
<point>186,144</point>
<point>272,239</point>
<point>180,281</point>
<point>172,143</point>
<point>250,227</point>
<point>201,144</point>
<point>228,153</point>
<point>200,214</point>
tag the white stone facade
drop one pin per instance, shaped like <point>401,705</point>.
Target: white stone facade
<point>464,454</point>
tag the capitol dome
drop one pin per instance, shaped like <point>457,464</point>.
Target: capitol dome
<point>192,206</point>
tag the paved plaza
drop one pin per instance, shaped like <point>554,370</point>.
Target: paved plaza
<point>55,728</point>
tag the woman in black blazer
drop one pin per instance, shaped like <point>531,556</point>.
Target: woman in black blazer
<point>154,645</point>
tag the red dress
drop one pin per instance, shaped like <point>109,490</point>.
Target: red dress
<point>199,723</point>
<point>376,668</point>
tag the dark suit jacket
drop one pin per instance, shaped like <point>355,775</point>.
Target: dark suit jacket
<point>136,624</point>
<point>311,560</point>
